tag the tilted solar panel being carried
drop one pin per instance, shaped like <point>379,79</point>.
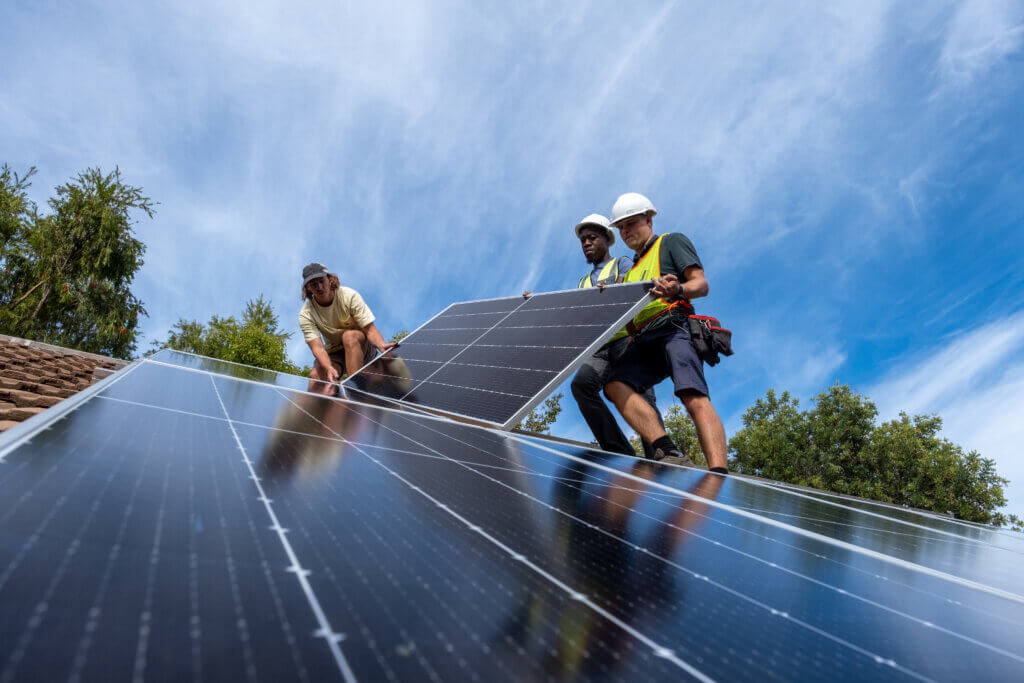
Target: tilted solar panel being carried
<point>494,360</point>
<point>186,522</point>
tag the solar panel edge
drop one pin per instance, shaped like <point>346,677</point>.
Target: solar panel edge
<point>880,509</point>
<point>220,360</point>
<point>420,327</point>
<point>621,285</point>
<point>23,431</point>
<point>575,365</point>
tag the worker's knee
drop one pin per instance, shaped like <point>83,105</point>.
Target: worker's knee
<point>353,338</point>
<point>695,402</point>
<point>617,392</point>
<point>586,384</point>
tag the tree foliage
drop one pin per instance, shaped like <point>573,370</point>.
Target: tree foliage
<point>255,339</point>
<point>543,416</point>
<point>65,277</point>
<point>16,210</point>
<point>399,336</point>
<point>837,446</point>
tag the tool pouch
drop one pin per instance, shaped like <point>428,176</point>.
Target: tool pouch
<point>709,338</point>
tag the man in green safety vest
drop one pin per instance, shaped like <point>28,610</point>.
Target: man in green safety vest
<point>596,237</point>
<point>659,338</point>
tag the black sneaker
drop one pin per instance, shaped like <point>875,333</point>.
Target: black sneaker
<point>673,457</point>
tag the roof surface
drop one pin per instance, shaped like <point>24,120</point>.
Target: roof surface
<point>35,376</point>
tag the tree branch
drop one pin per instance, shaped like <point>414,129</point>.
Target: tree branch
<point>25,295</point>
<point>42,299</point>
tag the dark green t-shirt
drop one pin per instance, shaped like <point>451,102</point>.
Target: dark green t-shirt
<point>677,254</point>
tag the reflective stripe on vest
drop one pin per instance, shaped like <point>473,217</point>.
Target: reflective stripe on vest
<point>609,271</point>
<point>646,269</point>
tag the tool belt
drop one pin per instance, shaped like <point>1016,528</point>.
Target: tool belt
<point>677,309</point>
<point>709,338</point>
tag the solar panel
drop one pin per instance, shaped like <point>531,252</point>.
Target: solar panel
<point>494,360</point>
<point>191,522</point>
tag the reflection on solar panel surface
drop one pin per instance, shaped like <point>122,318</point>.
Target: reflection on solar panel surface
<point>494,360</point>
<point>187,522</point>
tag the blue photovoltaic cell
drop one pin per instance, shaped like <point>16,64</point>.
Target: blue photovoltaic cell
<point>494,360</point>
<point>191,522</point>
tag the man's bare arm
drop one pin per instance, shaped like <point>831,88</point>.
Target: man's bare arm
<point>376,339</point>
<point>320,353</point>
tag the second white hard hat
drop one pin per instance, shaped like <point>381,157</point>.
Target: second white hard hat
<point>596,220</point>
<point>629,205</point>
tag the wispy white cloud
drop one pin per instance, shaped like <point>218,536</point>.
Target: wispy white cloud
<point>981,34</point>
<point>944,374</point>
<point>441,151</point>
<point>975,381</point>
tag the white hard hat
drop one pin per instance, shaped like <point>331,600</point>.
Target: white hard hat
<point>596,220</point>
<point>629,205</point>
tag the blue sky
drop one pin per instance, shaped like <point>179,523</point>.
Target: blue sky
<point>852,173</point>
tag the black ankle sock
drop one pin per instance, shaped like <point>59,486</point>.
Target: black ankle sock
<point>720,470</point>
<point>664,443</point>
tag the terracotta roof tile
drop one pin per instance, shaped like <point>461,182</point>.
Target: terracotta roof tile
<point>35,376</point>
<point>20,413</point>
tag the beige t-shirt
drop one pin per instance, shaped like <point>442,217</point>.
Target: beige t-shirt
<point>348,311</point>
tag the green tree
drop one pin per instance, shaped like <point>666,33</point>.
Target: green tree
<point>255,339</point>
<point>543,416</point>
<point>836,446</point>
<point>682,431</point>
<point>66,276</point>
<point>16,210</point>
<point>399,336</point>
<point>773,442</point>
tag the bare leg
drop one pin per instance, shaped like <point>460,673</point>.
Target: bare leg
<point>638,413</point>
<point>710,431</point>
<point>354,342</point>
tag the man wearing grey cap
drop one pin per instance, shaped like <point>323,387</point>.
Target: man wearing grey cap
<point>338,326</point>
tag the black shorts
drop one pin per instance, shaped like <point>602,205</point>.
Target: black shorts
<point>657,354</point>
<point>338,356</point>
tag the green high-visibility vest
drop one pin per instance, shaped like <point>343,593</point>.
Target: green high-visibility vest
<point>648,268</point>
<point>608,275</point>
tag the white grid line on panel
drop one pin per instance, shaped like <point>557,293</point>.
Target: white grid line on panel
<point>668,489</point>
<point>325,631</point>
<point>659,650</point>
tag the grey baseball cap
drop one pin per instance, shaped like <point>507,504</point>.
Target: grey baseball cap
<point>313,271</point>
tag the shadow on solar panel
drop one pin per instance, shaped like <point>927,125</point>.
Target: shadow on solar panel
<point>494,360</point>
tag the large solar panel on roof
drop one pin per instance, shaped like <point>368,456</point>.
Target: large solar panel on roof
<point>494,360</point>
<point>186,521</point>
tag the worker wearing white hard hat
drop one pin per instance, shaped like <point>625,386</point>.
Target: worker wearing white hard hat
<point>595,238</point>
<point>660,345</point>
<point>629,205</point>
